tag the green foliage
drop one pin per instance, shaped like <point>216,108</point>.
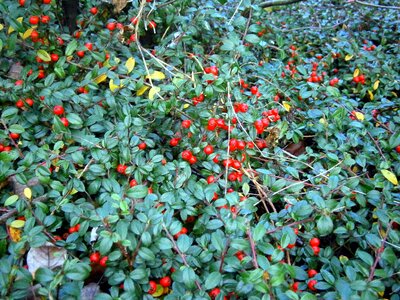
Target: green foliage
<point>109,175</point>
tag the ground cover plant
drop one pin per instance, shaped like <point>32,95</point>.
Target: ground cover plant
<point>199,150</point>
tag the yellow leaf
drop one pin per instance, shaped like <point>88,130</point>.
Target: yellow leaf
<point>17,224</point>
<point>359,116</point>
<point>106,63</point>
<point>100,78</point>
<point>186,105</point>
<point>376,85</point>
<point>15,234</point>
<point>153,91</point>
<point>28,193</point>
<point>348,57</point>
<point>11,29</point>
<point>159,291</point>
<point>371,96</point>
<point>26,34</point>
<point>390,176</point>
<point>156,75</point>
<point>1,27</point>
<point>286,105</point>
<point>142,90</point>
<point>394,94</point>
<point>130,64</point>
<point>356,72</point>
<point>112,86</point>
<point>73,191</point>
<point>335,39</point>
<point>323,121</point>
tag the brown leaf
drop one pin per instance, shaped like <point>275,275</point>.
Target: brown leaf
<point>47,256</point>
<point>296,149</point>
<point>15,71</point>
<point>90,291</point>
<point>119,5</point>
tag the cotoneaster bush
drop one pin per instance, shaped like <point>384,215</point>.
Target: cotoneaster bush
<point>208,150</point>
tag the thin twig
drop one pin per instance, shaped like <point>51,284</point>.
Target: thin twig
<point>290,225</point>
<point>376,5</point>
<point>182,255</point>
<point>253,248</point>
<point>379,252</point>
<point>276,3</point>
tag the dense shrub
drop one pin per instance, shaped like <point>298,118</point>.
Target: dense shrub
<point>200,149</point>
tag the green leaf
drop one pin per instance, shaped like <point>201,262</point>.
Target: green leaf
<point>252,38</point>
<point>137,192</point>
<point>43,55</point>
<point>227,45</point>
<point>213,280</point>
<point>71,47</point>
<point>184,242</point>
<point>146,254</point>
<point>16,128</point>
<point>11,200</point>
<point>259,232</point>
<point>324,225</point>
<point>79,271</point>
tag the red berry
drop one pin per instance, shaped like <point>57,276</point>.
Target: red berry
<point>214,293</point>
<point>54,57</point>
<point>210,179</point>
<point>254,90</point>
<point>186,154</point>
<point>295,286</point>
<point>192,160</point>
<point>46,1</point>
<point>45,19</point>
<point>93,10</point>
<point>80,53</point>
<point>316,250</point>
<point>34,36</point>
<point>121,169</point>
<point>398,149</point>
<point>174,142</point>
<point>186,123</point>
<point>89,46</point>
<point>72,229</point>
<point>111,26</point>
<point>14,135</point>
<point>314,242</point>
<point>22,2</point>
<point>103,261</point>
<point>311,273</point>
<point>166,281</point>
<point>34,20</point>
<point>133,183</point>
<point>152,25</point>
<point>153,287</point>
<point>142,146</point>
<point>311,285</point>
<point>58,110</point>
<point>240,255</point>
<point>19,103</point>
<point>208,150</point>
<point>64,121</point>
<point>94,257</point>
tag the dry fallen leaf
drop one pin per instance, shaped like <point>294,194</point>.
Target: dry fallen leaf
<point>90,291</point>
<point>47,256</point>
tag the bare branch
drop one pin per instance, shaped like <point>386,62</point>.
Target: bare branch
<point>376,5</point>
<point>276,3</point>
